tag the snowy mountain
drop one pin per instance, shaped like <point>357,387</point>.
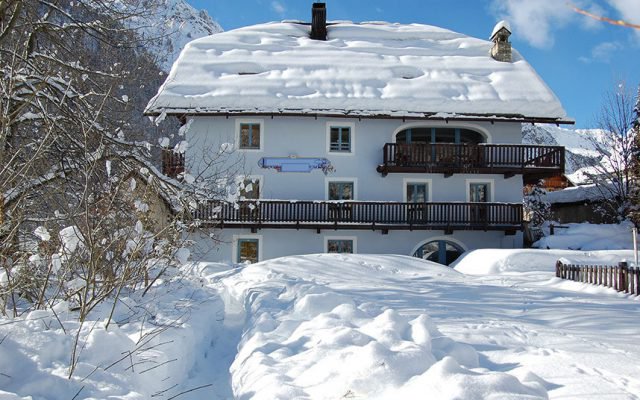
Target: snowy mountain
<point>580,144</point>
<point>168,27</point>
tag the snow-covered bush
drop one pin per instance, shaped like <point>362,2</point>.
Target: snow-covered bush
<point>536,208</point>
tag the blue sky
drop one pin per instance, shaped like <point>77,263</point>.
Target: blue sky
<point>579,58</point>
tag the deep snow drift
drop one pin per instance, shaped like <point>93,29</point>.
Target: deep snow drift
<point>341,326</point>
<point>586,236</point>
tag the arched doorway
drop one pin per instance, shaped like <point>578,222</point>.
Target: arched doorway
<point>441,251</point>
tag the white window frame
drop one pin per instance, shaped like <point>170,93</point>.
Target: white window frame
<point>354,239</point>
<point>341,124</point>
<point>234,246</point>
<point>260,122</point>
<point>345,179</point>
<point>428,182</point>
<point>490,182</point>
<point>259,178</point>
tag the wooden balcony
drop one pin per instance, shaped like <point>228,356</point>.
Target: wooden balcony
<point>384,216</point>
<point>172,163</point>
<point>533,162</point>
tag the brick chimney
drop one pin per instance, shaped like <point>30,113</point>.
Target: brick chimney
<point>501,50</point>
<point>319,21</point>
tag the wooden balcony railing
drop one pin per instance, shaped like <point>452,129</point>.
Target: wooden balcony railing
<point>450,158</point>
<point>362,215</point>
<point>172,163</point>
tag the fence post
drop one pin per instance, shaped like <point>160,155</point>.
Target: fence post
<point>558,267</point>
<point>622,277</point>
<point>551,230</point>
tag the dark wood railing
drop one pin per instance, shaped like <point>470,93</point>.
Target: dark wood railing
<point>172,163</point>
<point>620,277</point>
<point>363,215</point>
<point>450,158</point>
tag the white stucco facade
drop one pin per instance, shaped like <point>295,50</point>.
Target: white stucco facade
<point>307,136</point>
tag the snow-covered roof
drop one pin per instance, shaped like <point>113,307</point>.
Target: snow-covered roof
<point>578,194</point>
<point>364,69</point>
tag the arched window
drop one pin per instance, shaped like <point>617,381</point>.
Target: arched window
<point>439,135</point>
<point>440,251</point>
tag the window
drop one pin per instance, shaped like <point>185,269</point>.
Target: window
<point>417,192</point>
<point>441,251</point>
<point>248,250</point>
<point>249,134</point>
<point>424,135</point>
<point>345,245</point>
<point>250,189</point>
<point>341,190</point>
<point>340,137</point>
<point>479,192</point>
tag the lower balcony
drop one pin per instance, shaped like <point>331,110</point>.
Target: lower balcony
<point>533,162</point>
<point>383,216</point>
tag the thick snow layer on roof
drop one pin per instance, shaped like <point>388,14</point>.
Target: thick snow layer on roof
<point>576,194</point>
<point>362,69</point>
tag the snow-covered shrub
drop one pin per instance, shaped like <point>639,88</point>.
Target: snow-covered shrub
<point>536,208</point>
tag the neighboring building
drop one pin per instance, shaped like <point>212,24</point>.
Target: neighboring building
<point>367,138</point>
<point>585,203</point>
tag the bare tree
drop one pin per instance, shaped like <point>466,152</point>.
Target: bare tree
<point>613,173</point>
<point>71,144</point>
<point>635,195</point>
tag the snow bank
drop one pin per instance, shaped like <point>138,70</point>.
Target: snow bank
<point>361,69</point>
<point>153,345</point>
<point>586,236</point>
<point>325,339</point>
<point>505,261</point>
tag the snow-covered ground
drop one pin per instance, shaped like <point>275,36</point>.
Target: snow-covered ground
<point>326,326</point>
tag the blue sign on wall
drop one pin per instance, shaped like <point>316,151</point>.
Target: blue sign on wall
<point>294,164</point>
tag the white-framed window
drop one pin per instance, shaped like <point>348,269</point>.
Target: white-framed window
<point>247,248</point>
<point>250,187</point>
<point>341,188</point>
<point>416,190</point>
<point>341,137</point>
<point>250,134</point>
<point>480,190</point>
<point>341,244</point>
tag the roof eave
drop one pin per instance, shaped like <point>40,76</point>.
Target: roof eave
<point>366,115</point>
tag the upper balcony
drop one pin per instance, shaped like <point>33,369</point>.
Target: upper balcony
<point>533,162</point>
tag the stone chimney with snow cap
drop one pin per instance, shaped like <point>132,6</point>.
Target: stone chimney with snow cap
<point>319,21</point>
<point>501,50</point>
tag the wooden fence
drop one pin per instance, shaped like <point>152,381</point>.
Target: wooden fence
<point>621,277</point>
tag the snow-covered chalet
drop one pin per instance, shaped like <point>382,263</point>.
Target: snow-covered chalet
<point>361,137</point>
